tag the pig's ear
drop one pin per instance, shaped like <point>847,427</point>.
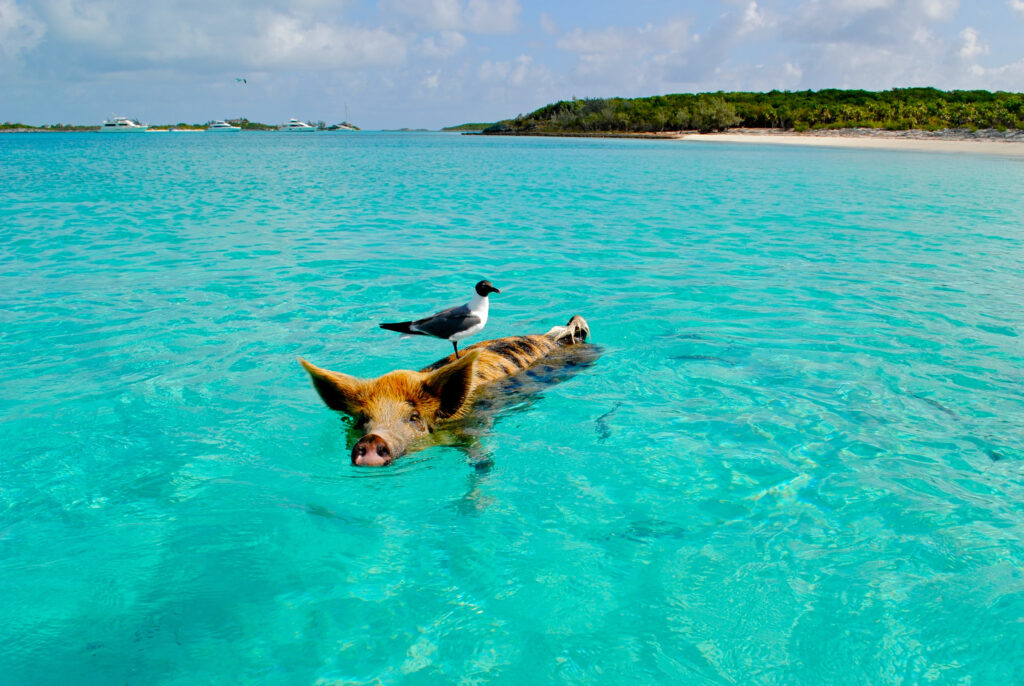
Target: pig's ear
<point>452,384</point>
<point>339,391</point>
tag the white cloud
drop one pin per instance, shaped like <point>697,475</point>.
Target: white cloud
<point>931,9</point>
<point>867,22</point>
<point>861,5</point>
<point>880,44</point>
<point>845,65</point>
<point>609,40</point>
<point>874,44</point>
<point>493,16</point>
<point>474,16</point>
<point>672,35</point>
<point>939,9</point>
<point>287,42</point>
<point>432,15</point>
<point>1007,77</point>
<point>515,72</point>
<point>20,29</point>
<point>1017,5</point>
<point>755,19</point>
<point>443,45</point>
<point>671,57</point>
<point>548,25</point>
<point>922,36</point>
<point>627,61</point>
<point>115,35</point>
<point>970,46</point>
<point>82,22</point>
<point>760,77</point>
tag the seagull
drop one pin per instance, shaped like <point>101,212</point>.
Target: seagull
<point>452,324</point>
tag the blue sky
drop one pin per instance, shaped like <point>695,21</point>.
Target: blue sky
<point>431,63</point>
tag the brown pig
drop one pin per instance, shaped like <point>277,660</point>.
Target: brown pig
<point>401,411</point>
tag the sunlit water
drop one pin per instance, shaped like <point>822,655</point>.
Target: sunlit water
<point>798,460</point>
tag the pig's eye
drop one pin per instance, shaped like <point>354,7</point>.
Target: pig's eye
<point>415,419</point>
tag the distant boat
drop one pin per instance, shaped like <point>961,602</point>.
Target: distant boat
<point>345,125</point>
<point>296,125</point>
<point>122,125</point>
<point>222,125</point>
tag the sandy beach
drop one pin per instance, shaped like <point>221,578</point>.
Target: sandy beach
<point>974,143</point>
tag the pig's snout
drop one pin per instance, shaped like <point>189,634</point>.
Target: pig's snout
<point>371,451</point>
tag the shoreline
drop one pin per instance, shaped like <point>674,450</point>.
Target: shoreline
<point>1009,143</point>
<point>964,141</point>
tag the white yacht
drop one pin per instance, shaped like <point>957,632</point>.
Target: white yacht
<point>296,125</point>
<point>222,125</point>
<point>122,125</point>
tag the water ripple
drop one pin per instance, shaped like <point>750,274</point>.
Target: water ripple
<point>797,459</point>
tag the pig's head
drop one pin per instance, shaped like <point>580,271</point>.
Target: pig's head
<point>397,412</point>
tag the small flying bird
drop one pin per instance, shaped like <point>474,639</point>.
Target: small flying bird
<point>452,324</point>
<point>240,80</point>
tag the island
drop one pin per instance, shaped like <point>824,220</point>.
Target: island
<point>468,127</point>
<point>17,127</point>
<point>898,109</point>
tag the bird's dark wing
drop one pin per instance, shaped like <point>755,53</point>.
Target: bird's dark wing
<point>400,327</point>
<point>446,322</point>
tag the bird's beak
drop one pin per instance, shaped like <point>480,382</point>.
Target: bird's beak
<point>496,290</point>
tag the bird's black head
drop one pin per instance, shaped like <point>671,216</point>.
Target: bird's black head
<point>485,287</point>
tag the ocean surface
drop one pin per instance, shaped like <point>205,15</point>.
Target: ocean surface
<point>798,460</point>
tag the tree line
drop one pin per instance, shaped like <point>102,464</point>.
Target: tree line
<point>896,109</point>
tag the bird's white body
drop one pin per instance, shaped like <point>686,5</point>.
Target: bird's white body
<point>478,306</point>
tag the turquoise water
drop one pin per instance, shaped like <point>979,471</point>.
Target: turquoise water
<point>798,460</point>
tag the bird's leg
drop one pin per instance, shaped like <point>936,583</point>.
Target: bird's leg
<point>455,344</point>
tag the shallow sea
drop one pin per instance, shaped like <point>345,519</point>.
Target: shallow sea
<point>799,459</point>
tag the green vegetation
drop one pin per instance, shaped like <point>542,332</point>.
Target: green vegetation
<point>897,109</point>
<point>15,126</point>
<point>467,127</point>
<point>251,125</point>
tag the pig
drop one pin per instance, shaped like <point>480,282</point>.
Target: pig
<point>406,410</point>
